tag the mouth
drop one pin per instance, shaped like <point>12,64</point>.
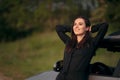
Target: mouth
<point>77,29</point>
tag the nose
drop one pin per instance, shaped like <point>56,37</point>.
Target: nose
<point>76,26</point>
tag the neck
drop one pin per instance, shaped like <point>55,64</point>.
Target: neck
<point>80,37</point>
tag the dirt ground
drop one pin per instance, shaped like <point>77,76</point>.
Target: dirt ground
<point>3,77</point>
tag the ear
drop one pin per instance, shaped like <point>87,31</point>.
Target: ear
<point>88,28</point>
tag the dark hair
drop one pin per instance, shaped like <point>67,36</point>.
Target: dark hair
<point>85,40</point>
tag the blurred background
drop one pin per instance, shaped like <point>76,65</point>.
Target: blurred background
<point>28,42</point>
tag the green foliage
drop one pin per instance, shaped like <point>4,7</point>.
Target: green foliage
<point>15,21</point>
<point>98,15</point>
<point>38,15</point>
<point>30,56</point>
<point>113,14</point>
<point>108,11</point>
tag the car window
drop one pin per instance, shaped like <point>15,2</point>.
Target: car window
<point>107,57</point>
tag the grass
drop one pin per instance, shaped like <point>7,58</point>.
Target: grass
<point>27,57</point>
<point>37,53</point>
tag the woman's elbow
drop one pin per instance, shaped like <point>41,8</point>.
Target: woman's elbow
<point>57,28</point>
<point>105,24</point>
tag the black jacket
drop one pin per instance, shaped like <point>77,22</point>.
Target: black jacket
<point>76,63</point>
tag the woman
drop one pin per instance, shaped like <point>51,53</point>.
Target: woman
<point>80,48</point>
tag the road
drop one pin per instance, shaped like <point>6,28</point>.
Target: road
<point>49,75</point>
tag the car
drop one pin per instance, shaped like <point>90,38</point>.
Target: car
<point>98,70</point>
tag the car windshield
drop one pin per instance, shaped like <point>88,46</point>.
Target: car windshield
<point>107,57</point>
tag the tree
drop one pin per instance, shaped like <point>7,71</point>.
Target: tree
<point>20,18</point>
<point>16,18</point>
<point>113,14</point>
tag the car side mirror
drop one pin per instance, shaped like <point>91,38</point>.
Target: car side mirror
<point>58,66</point>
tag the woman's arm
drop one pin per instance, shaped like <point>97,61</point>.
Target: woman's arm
<point>61,30</point>
<point>101,29</point>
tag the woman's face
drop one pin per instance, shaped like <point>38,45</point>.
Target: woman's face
<point>79,27</point>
